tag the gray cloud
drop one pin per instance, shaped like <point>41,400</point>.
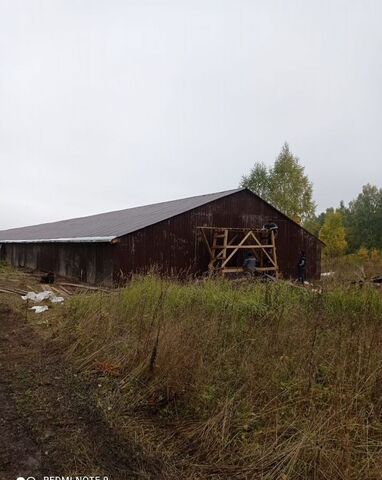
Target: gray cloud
<point>111,104</point>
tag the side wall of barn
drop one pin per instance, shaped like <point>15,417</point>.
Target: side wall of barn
<point>176,246</point>
<point>88,262</point>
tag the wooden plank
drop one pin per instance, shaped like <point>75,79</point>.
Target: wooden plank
<point>225,251</point>
<point>18,290</point>
<point>206,242</point>
<point>243,247</point>
<point>234,229</point>
<point>9,291</point>
<point>234,251</point>
<point>233,269</point>
<point>266,253</point>
<point>211,266</point>
<point>86,287</point>
<point>225,244</point>
<point>65,290</point>
<point>275,252</point>
<point>219,255</point>
<point>240,269</point>
<point>246,246</point>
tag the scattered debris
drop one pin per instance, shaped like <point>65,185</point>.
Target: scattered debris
<point>37,297</point>
<point>59,291</point>
<point>55,299</point>
<point>41,296</point>
<point>14,291</point>
<point>86,287</point>
<point>39,308</point>
<point>376,281</point>
<point>327,274</point>
<point>63,289</point>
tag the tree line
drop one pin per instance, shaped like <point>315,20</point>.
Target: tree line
<point>343,229</point>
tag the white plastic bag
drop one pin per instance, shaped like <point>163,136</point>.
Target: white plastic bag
<point>39,308</point>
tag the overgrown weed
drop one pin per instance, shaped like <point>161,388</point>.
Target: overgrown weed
<point>246,380</point>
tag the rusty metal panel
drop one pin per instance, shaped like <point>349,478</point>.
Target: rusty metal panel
<point>175,247</point>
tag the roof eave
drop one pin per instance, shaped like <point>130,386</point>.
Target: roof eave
<point>64,240</point>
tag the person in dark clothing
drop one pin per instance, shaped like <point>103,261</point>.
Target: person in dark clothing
<point>301,266</point>
<point>250,263</point>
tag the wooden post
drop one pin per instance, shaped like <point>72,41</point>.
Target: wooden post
<point>225,251</point>
<point>274,253</point>
<point>225,243</point>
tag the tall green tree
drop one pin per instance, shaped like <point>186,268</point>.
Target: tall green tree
<point>333,234</point>
<point>258,181</point>
<point>284,185</point>
<point>314,223</point>
<point>363,219</point>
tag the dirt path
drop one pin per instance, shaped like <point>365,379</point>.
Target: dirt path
<point>48,422</point>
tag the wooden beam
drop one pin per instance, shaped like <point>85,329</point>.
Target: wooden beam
<point>219,255</point>
<point>218,251</point>
<point>240,269</point>
<point>248,247</point>
<point>235,250</point>
<point>274,252</point>
<point>225,244</point>
<point>206,242</point>
<point>266,253</point>
<point>234,229</point>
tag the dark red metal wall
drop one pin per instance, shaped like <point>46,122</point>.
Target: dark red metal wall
<point>88,262</point>
<point>175,246</point>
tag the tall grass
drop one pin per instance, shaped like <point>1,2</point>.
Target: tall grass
<point>351,268</point>
<point>263,381</point>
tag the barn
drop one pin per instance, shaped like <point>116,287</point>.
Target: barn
<point>170,236</point>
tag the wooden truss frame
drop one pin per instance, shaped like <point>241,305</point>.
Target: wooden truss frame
<point>224,243</point>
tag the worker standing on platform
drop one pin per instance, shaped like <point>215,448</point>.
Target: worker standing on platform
<point>301,266</point>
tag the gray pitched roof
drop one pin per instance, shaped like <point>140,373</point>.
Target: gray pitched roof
<point>105,227</point>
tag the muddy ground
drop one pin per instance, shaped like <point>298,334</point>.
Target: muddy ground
<point>49,422</point>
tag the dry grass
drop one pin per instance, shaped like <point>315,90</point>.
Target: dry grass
<point>238,381</point>
<point>350,268</point>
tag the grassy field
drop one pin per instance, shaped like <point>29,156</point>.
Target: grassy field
<point>220,379</point>
<point>200,380</point>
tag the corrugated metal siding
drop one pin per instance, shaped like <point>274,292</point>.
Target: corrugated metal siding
<point>174,245</point>
<point>86,262</point>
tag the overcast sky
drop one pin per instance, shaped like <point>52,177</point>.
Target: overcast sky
<point>110,104</point>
